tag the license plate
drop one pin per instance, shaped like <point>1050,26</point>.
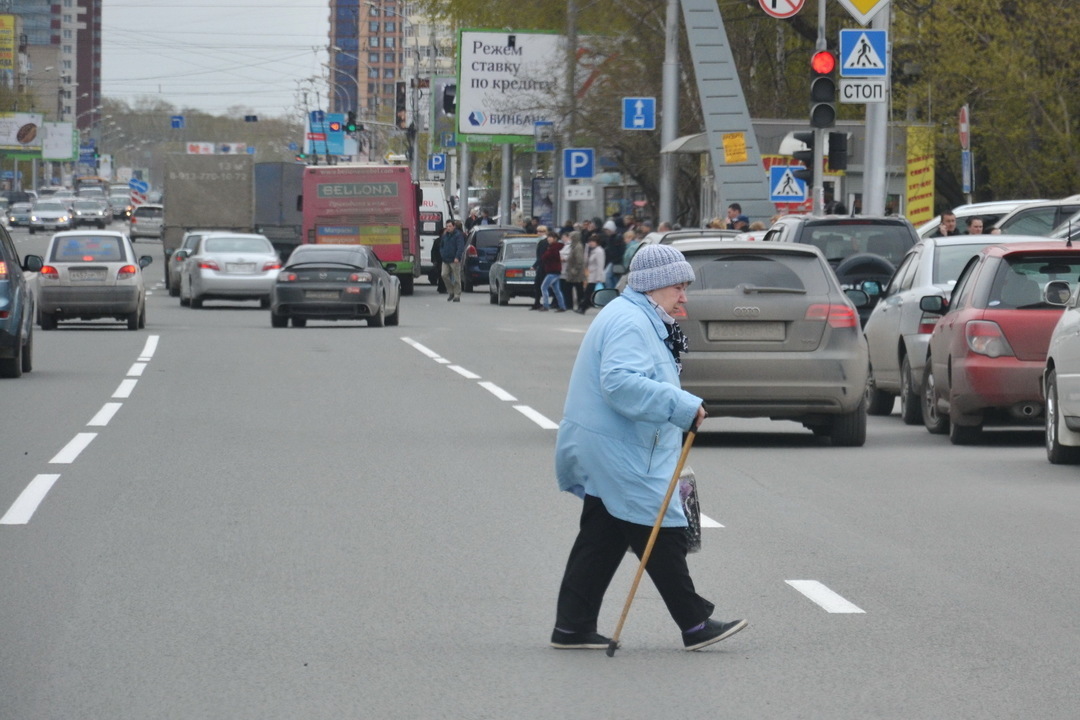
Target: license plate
<point>83,275</point>
<point>745,331</point>
<point>240,267</point>
<point>322,294</point>
<point>530,273</point>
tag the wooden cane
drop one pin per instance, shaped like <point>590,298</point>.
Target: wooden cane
<point>652,539</point>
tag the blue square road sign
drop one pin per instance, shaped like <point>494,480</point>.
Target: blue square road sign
<point>639,113</point>
<point>578,163</point>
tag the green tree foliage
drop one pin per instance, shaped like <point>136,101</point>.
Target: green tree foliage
<point>1013,61</point>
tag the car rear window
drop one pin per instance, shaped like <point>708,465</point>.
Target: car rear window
<point>346,257</point>
<point>149,212</point>
<point>88,248</point>
<point>1019,281</point>
<point>841,241</point>
<point>520,251</point>
<point>490,238</point>
<point>237,244</point>
<point>800,273</point>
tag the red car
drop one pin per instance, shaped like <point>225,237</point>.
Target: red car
<point>988,350</point>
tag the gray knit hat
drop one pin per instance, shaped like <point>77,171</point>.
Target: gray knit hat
<point>658,266</point>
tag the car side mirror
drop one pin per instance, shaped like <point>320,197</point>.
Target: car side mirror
<point>858,298</point>
<point>1057,293</point>
<point>33,263</point>
<point>933,304</point>
<point>603,296</point>
<point>145,260</point>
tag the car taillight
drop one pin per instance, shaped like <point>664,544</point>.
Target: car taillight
<point>3,270</point>
<point>515,273</point>
<point>286,277</point>
<point>838,316</point>
<point>927,323</point>
<point>208,265</point>
<point>272,265</point>
<point>133,219</point>
<point>126,271</point>
<point>986,338</point>
<point>471,251</point>
<point>360,277</point>
<point>48,271</point>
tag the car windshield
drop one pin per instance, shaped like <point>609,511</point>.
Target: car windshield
<point>841,241</point>
<point>87,248</point>
<point>783,272</point>
<point>50,207</point>
<point>302,256</point>
<point>520,251</point>
<point>87,205</point>
<point>1020,280</point>
<point>237,244</point>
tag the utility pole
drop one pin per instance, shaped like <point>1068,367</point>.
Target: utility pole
<point>669,124</point>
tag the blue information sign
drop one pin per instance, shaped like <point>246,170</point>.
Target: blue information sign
<point>639,113</point>
<point>578,163</point>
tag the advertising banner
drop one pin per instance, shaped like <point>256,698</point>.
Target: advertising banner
<point>20,131</point>
<point>920,174</point>
<point>59,141</point>
<point>8,34</point>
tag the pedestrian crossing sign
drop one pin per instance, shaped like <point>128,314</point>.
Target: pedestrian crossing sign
<point>784,187</point>
<point>864,53</point>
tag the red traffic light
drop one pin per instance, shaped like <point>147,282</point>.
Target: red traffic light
<point>823,62</point>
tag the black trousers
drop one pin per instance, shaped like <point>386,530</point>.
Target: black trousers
<point>599,549</point>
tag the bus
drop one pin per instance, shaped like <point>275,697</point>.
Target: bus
<point>373,205</point>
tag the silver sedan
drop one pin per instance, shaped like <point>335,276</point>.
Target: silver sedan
<point>229,266</point>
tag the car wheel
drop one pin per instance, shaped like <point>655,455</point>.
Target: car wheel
<point>142,317</point>
<point>196,302</point>
<point>27,354</point>
<point>466,284</point>
<point>47,321</point>
<point>964,434</point>
<point>299,322</point>
<point>11,367</point>
<point>493,299</point>
<point>910,409</point>
<point>395,317</point>
<point>849,429</point>
<point>935,421</point>
<point>504,296</point>
<point>32,230</point>
<point>278,321</point>
<point>878,402</point>
<point>379,318</point>
<point>1056,453</point>
<point>264,302</point>
<point>173,290</point>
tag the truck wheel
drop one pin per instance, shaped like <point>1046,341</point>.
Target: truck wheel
<point>406,284</point>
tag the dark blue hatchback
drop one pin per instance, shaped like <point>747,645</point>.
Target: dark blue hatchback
<point>16,309</point>
<point>481,247</point>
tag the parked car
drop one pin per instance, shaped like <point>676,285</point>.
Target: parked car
<point>16,309</point>
<point>177,258</point>
<point>1038,218</point>
<point>859,249</point>
<point>898,332</point>
<point>92,275</point>
<point>481,245</point>
<point>18,214</point>
<point>512,273</point>
<point>90,212</point>
<point>147,220</point>
<point>990,212</point>
<point>1061,376</point>
<point>988,350</point>
<point>229,266</point>
<point>334,282</point>
<point>773,335</point>
<point>50,215</point>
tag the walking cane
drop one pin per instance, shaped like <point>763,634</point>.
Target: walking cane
<point>652,539</point>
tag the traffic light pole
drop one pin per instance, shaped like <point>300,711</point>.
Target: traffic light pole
<point>875,157</point>
<point>818,189</point>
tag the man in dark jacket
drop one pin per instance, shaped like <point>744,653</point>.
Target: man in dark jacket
<point>452,253</point>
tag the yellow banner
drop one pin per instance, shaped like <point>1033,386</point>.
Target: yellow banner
<point>8,33</point>
<point>920,175</point>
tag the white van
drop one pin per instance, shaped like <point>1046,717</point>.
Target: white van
<point>435,210</point>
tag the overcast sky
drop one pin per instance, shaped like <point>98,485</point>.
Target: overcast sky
<point>214,55</point>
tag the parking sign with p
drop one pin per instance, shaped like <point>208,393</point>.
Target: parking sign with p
<point>578,163</point>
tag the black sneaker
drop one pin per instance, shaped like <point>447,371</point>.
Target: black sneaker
<point>578,640</point>
<point>714,631</point>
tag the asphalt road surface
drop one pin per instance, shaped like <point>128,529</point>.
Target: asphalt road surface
<point>210,518</point>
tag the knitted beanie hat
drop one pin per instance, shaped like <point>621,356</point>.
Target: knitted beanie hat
<point>658,266</point>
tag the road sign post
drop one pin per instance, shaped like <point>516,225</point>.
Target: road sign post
<point>965,128</point>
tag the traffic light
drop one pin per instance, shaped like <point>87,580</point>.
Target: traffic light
<point>449,98</point>
<point>822,89</point>
<point>401,116</point>
<point>301,156</point>
<point>350,122</point>
<point>838,151</point>
<point>808,157</point>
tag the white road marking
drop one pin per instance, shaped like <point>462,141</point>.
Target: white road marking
<point>442,361</point>
<point>469,375</point>
<point>536,417</point>
<point>73,448</point>
<point>104,415</point>
<point>125,388</point>
<point>24,506</point>
<point>824,597</point>
<point>150,348</point>
<point>497,391</point>
<point>136,370</point>
<point>707,521</point>
<point>427,351</point>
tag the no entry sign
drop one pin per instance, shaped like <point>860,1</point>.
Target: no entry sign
<point>781,8</point>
